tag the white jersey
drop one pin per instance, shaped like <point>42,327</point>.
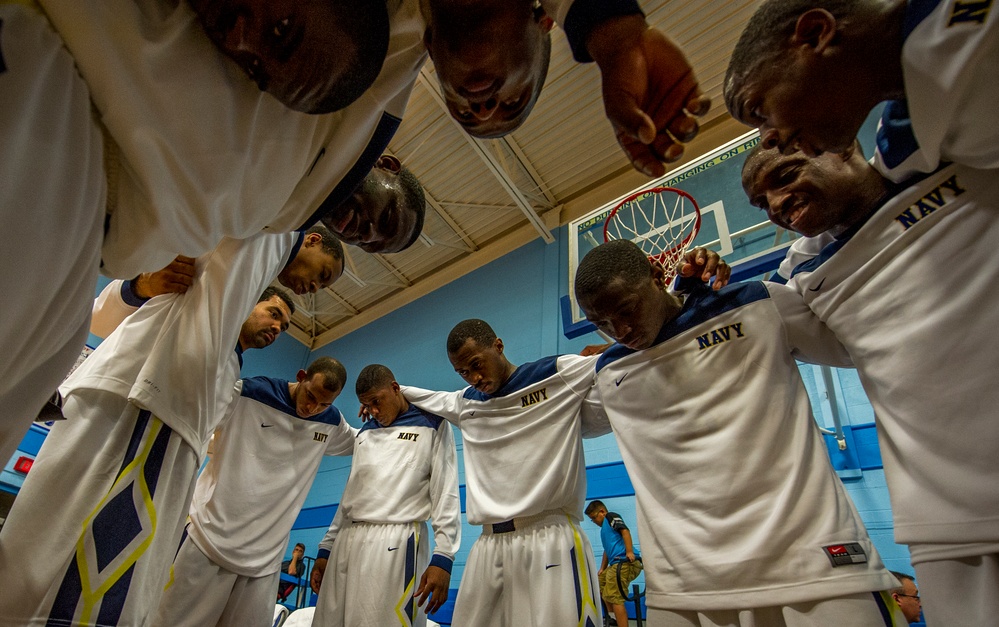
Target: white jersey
<point>801,250</point>
<point>200,153</point>
<point>264,462</point>
<point>403,473</point>
<point>116,302</point>
<point>523,445</point>
<point>910,293</point>
<point>176,356</point>
<point>949,60</point>
<point>738,504</point>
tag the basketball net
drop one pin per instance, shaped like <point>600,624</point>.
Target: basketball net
<point>662,221</point>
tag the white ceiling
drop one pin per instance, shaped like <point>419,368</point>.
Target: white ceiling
<point>486,198</point>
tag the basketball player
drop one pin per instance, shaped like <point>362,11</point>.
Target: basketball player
<point>920,357</point>
<point>743,518</point>
<point>266,453</point>
<point>404,471</point>
<point>191,150</point>
<point>526,480</point>
<point>491,58</point>
<point>139,413</point>
<point>807,75</point>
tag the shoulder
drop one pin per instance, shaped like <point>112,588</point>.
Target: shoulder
<point>615,521</point>
<point>266,390</point>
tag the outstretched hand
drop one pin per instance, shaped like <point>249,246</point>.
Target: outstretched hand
<point>650,93</point>
<point>706,263</point>
<point>175,278</point>
<point>318,570</point>
<point>433,588</point>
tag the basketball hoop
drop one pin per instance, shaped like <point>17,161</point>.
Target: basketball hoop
<point>662,221</point>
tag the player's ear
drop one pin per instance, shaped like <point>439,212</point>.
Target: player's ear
<point>301,376</point>
<point>498,345</point>
<point>815,28</point>
<point>395,387</point>
<point>390,163</point>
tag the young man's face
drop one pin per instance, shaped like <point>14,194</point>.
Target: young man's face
<point>489,64</point>
<point>312,269</point>
<point>482,367</point>
<point>384,404</point>
<point>375,218</point>
<point>805,195</point>
<point>632,314</point>
<point>287,47</point>
<point>311,395</point>
<point>597,517</point>
<point>267,321</point>
<point>799,105</point>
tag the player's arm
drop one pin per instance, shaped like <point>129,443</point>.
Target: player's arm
<point>603,564</point>
<point>650,93</point>
<point>323,555</point>
<point>445,516</point>
<point>809,338</point>
<point>447,405</point>
<point>120,299</point>
<point>341,441</point>
<point>593,419</point>
<point>116,302</point>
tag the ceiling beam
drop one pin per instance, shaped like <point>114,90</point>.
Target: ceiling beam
<point>443,275</point>
<point>491,163</point>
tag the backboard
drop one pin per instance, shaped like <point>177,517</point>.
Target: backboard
<point>729,224</point>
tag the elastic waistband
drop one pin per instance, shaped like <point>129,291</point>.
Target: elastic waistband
<point>522,522</point>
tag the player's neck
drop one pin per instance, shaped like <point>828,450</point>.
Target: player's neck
<point>670,306</point>
<point>871,193</point>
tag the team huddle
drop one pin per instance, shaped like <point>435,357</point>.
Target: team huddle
<point>199,151</point>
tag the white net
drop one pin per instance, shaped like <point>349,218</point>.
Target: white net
<point>662,221</point>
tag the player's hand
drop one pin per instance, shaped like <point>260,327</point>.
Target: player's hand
<point>363,414</point>
<point>173,279</point>
<point>595,349</point>
<point>650,93</point>
<point>318,570</point>
<point>600,572</point>
<point>706,264</point>
<point>433,586</point>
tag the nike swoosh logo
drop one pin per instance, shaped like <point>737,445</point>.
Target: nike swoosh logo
<point>393,548</point>
<point>265,426</point>
<point>550,566</point>
<point>618,381</point>
<point>471,413</point>
<point>819,286</point>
